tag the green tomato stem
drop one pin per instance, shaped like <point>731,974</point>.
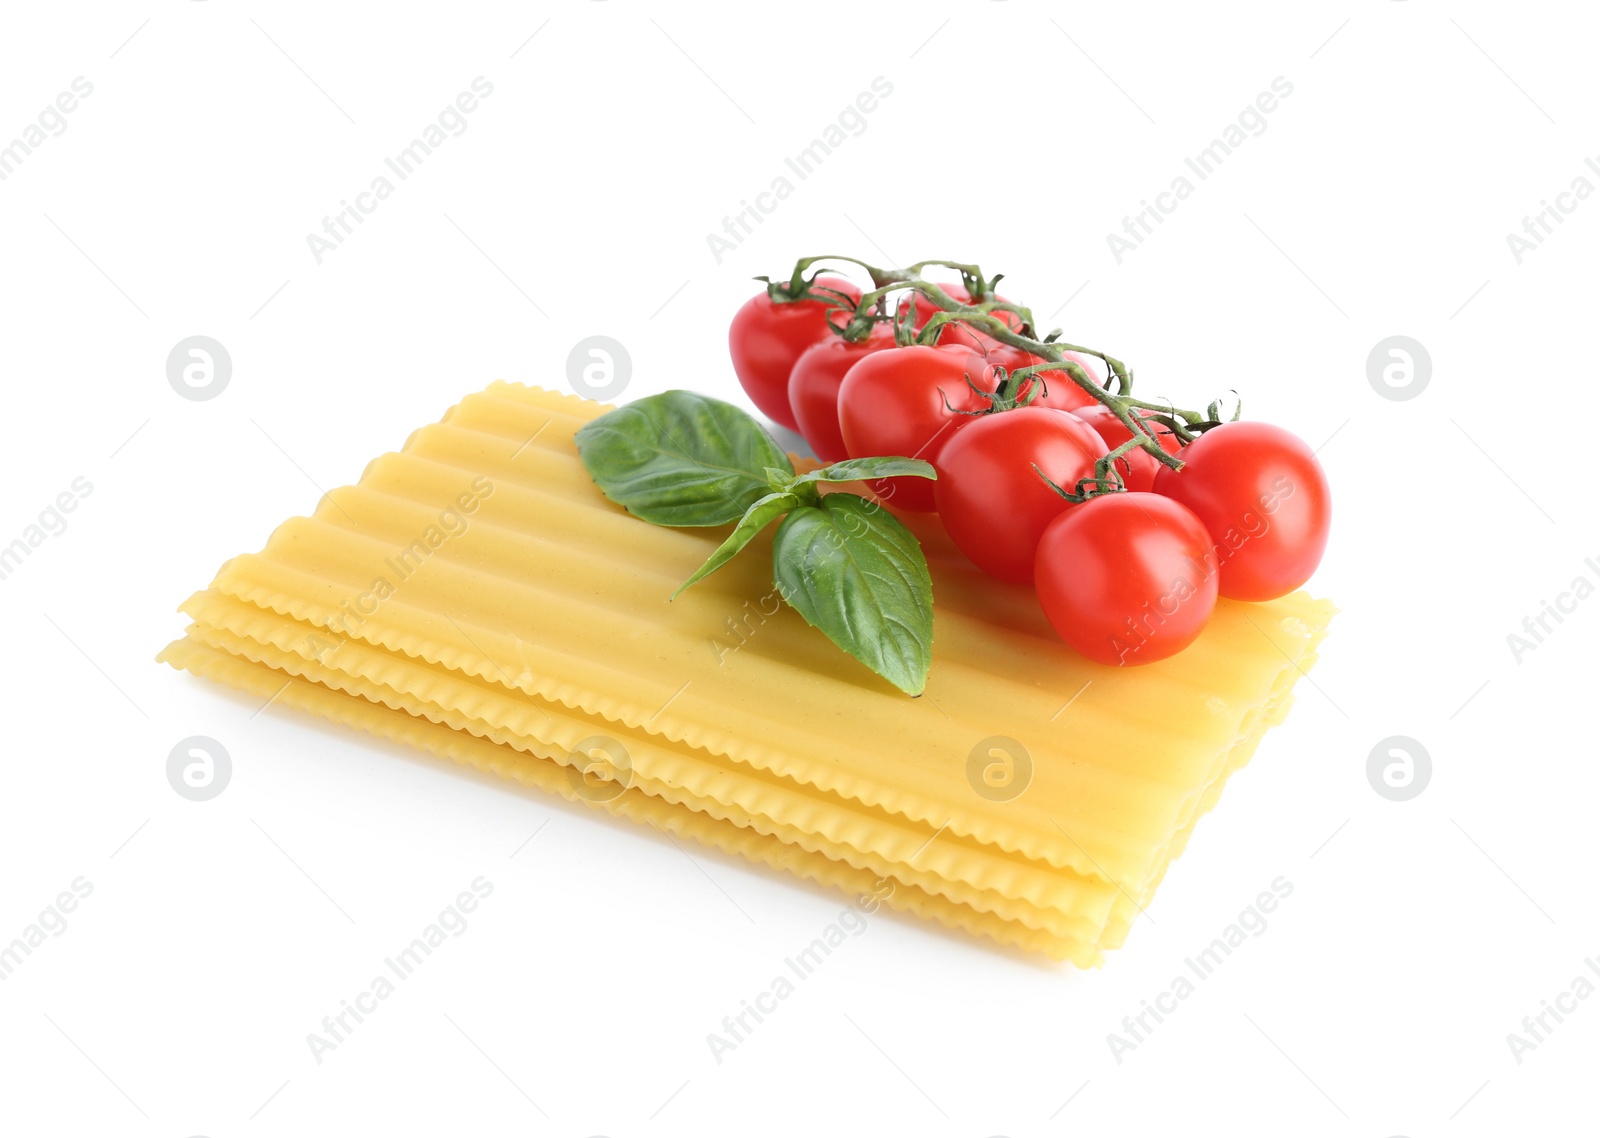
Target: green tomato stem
<point>1185,425</point>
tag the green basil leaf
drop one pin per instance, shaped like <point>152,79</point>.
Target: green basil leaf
<point>754,521</point>
<point>680,459</point>
<point>854,571</point>
<point>856,469</point>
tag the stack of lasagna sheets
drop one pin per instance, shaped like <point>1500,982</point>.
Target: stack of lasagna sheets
<point>475,596</point>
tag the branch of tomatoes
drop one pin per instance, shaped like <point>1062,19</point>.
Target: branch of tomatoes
<point>1015,388</point>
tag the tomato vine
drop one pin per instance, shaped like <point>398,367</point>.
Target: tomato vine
<point>1014,388</point>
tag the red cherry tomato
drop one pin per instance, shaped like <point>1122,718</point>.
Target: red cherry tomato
<point>954,333</point>
<point>766,338</point>
<point>1138,467</point>
<point>1123,578</point>
<point>814,388</point>
<point>992,502</point>
<point>1264,499</point>
<point>893,403</point>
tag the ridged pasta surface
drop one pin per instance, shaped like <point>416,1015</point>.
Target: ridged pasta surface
<point>478,584</point>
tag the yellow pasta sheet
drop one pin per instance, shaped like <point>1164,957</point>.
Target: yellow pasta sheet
<point>483,548</point>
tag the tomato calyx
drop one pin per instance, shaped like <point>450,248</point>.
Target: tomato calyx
<point>1007,395</point>
<point>1107,478</point>
<point>802,288</point>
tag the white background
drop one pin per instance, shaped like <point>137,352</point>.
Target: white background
<point>219,934</point>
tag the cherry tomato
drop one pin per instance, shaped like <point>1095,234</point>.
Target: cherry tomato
<point>766,338</point>
<point>992,502</point>
<point>954,333</point>
<point>1264,499</point>
<point>1123,578</point>
<point>814,388</point>
<point>1138,467</point>
<point>893,403</point>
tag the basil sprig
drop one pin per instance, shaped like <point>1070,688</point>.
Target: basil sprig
<point>847,565</point>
